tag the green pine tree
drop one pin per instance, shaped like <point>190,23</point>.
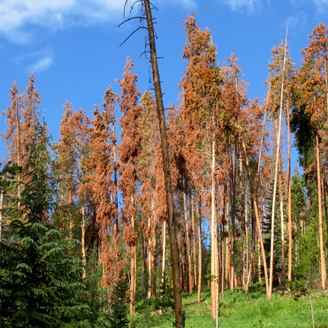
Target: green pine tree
<point>39,279</point>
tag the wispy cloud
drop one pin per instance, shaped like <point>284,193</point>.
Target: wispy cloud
<point>237,5</point>
<point>297,21</point>
<point>322,5</point>
<point>18,17</point>
<point>184,3</point>
<point>36,62</point>
<point>41,65</point>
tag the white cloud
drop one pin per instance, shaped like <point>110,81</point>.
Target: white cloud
<point>18,15</point>
<point>297,21</point>
<point>249,5</point>
<point>36,62</point>
<point>41,65</point>
<point>184,3</point>
<point>321,5</point>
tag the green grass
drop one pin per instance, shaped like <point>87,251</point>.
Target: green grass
<point>255,311</point>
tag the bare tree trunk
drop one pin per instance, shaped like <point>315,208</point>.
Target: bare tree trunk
<point>283,270</point>
<point>163,247</point>
<point>187,239</point>
<point>245,239</point>
<point>290,229</point>
<point>276,172</point>
<point>322,253</point>
<point>193,237</point>
<point>167,174</point>
<point>84,257</point>
<point>150,254</point>
<point>227,270</point>
<point>214,247</point>
<point>257,221</point>
<point>198,205</point>
<point>133,270</point>
<point>232,242</point>
<point>259,262</point>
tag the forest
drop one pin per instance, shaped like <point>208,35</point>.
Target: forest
<point>194,206</point>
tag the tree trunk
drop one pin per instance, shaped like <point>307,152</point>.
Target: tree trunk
<point>133,271</point>
<point>198,205</point>
<point>290,229</point>
<point>227,270</point>
<point>188,257</point>
<point>193,237</point>
<point>257,221</point>
<point>232,241</point>
<point>214,247</point>
<point>245,239</point>
<point>283,270</point>
<point>322,253</point>
<point>84,257</point>
<point>167,174</point>
<point>276,173</point>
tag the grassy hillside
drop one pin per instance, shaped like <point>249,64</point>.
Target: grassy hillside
<point>237,311</point>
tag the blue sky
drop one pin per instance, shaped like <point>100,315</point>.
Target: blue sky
<point>73,49</point>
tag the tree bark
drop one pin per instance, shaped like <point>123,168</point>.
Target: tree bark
<point>290,229</point>
<point>193,232</point>
<point>167,174</point>
<point>276,172</point>
<point>214,246</point>
<point>322,253</point>
<point>198,205</point>
<point>84,257</point>
<point>190,284</point>
<point>283,269</point>
<point>133,285</point>
<point>257,222</point>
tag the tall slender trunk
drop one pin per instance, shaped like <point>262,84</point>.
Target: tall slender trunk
<point>214,247</point>
<point>227,270</point>
<point>245,241</point>
<point>199,217</point>
<point>193,232</point>
<point>188,257</point>
<point>150,253</point>
<point>257,220</point>
<point>232,242</point>
<point>290,227</point>
<point>115,183</point>
<point>283,270</point>
<point>84,257</point>
<point>163,248</point>
<point>259,262</point>
<point>322,252</point>
<point>276,171</point>
<point>133,285</point>
<point>167,174</point>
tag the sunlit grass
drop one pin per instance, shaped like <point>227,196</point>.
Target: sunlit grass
<point>255,311</point>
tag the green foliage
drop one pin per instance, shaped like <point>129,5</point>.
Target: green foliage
<point>39,279</point>
<point>119,318</point>
<point>309,253</point>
